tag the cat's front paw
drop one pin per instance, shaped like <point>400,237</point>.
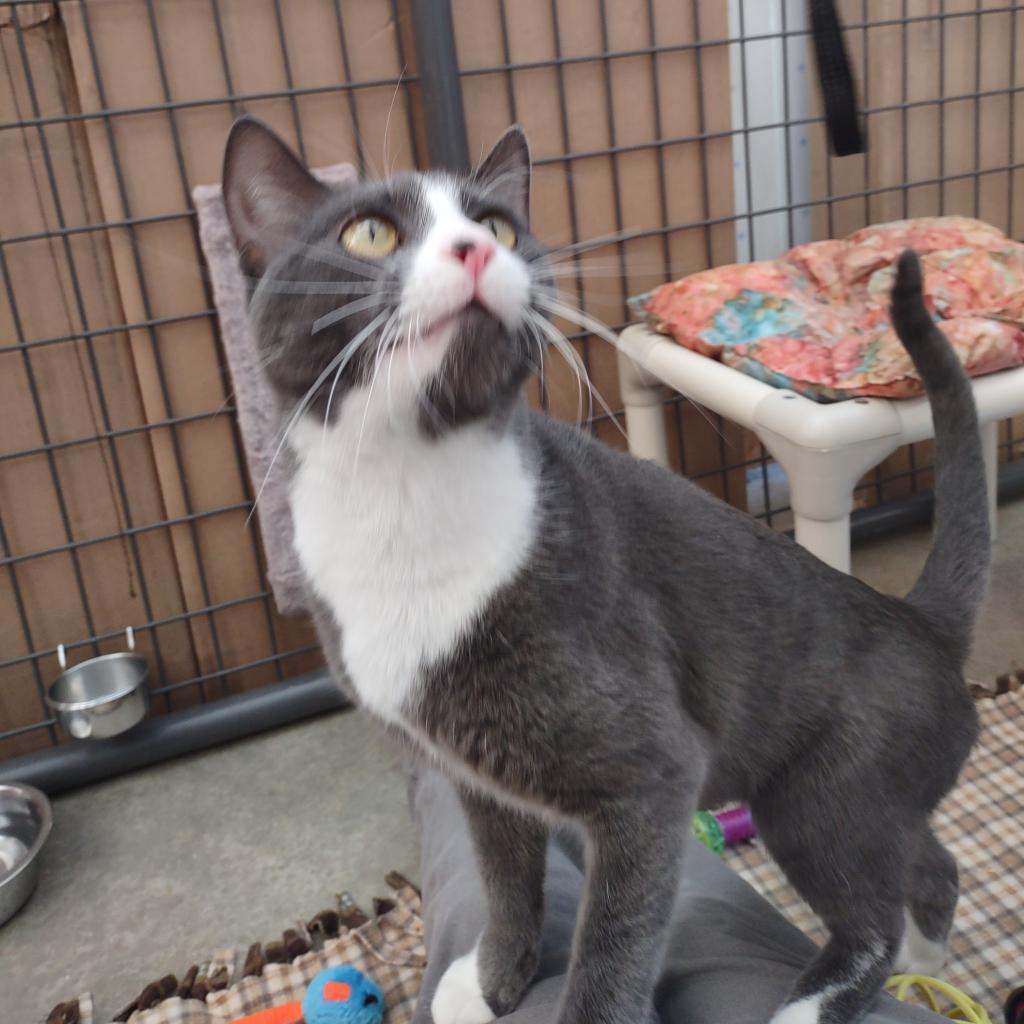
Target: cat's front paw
<point>804,1011</point>
<point>459,998</point>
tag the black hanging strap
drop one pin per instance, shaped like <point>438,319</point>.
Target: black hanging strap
<point>837,87</point>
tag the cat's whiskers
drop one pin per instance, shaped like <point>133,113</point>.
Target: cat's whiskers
<point>563,309</point>
<point>587,322</point>
<point>160,255</point>
<point>407,343</point>
<point>288,286</point>
<point>581,273</point>
<point>443,378</point>
<point>539,270</point>
<point>387,124</point>
<point>392,339</point>
<point>636,265</point>
<point>424,399</point>
<point>342,357</point>
<point>259,365</point>
<point>333,257</point>
<point>562,252</point>
<point>534,336</point>
<point>350,308</point>
<point>411,340</point>
<point>387,389</point>
<point>706,416</point>
<point>577,316</point>
<point>366,413</point>
<point>351,348</point>
<point>572,359</point>
<point>327,407</point>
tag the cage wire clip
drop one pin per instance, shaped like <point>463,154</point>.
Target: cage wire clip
<point>62,657</point>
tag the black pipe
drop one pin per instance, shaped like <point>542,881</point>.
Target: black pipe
<point>437,66</point>
<point>81,762</point>
<point>869,523</point>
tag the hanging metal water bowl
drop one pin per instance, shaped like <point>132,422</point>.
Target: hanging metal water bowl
<point>103,696</point>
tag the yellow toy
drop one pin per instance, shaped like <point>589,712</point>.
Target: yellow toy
<point>962,1007</point>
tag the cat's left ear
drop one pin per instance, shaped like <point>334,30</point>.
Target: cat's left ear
<point>505,172</point>
<point>268,194</point>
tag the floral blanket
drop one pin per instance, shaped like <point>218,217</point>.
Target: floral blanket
<point>817,319</point>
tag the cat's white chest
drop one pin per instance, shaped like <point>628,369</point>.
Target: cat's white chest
<point>407,544</point>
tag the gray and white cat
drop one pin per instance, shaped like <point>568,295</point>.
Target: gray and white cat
<point>578,636</point>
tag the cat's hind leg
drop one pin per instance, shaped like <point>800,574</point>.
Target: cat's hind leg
<point>932,891</point>
<point>854,880</point>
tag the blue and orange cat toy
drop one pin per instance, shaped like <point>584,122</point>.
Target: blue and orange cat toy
<point>342,995</point>
<point>338,995</point>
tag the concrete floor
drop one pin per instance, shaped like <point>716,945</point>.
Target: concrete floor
<point>147,873</point>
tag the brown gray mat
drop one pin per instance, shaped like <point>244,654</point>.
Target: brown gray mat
<point>259,418</point>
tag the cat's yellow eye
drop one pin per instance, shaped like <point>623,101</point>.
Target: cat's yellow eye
<point>501,229</point>
<point>372,237</point>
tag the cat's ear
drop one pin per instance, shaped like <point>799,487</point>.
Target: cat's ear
<point>505,172</point>
<point>268,194</point>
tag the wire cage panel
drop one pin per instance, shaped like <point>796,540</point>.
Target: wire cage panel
<point>682,134</point>
<point>123,490</point>
<point>692,135</point>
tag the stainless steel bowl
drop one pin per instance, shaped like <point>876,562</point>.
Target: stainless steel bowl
<point>103,696</point>
<point>25,822</point>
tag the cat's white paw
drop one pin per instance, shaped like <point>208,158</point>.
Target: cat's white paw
<point>459,999</point>
<point>918,955</point>
<point>805,1011</point>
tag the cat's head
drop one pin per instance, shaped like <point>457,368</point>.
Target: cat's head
<point>431,280</point>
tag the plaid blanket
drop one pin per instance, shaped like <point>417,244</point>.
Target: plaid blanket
<point>388,948</point>
<point>982,824</point>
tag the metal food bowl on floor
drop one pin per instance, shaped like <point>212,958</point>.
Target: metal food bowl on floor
<point>103,696</point>
<point>25,822</point>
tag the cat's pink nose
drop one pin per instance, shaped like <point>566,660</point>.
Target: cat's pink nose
<point>473,255</point>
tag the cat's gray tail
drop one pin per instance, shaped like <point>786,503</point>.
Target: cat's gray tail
<point>952,585</point>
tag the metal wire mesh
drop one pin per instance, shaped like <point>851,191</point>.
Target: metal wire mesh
<point>108,578</point>
<point>123,485</point>
<point>938,85</point>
